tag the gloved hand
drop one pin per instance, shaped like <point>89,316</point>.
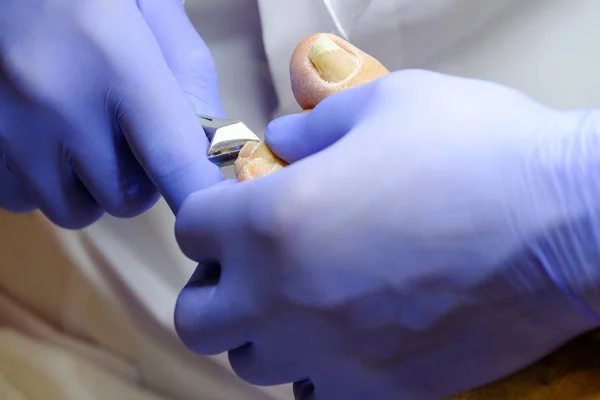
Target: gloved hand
<point>97,102</point>
<point>433,234</point>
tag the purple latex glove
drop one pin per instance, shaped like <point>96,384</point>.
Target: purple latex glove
<point>97,103</point>
<point>436,233</point>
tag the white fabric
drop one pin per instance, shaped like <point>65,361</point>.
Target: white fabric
<point>114,284</point>
<point>35,370</point>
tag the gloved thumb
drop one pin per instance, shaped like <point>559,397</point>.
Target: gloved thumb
<point>185,52</point>
<point>321,66</point>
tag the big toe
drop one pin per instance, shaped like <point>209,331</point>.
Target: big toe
<point>323,64</point>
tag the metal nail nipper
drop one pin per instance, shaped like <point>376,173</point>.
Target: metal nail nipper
<point>226,137</point>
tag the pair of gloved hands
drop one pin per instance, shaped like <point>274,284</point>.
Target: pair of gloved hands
<point>432,234</point>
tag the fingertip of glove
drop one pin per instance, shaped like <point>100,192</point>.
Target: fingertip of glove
<point>277,129</point>
<point>286,135</point>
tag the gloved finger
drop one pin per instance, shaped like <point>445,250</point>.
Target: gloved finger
<point>208,320</point>
<point>297,136</point>
<point>218,317</point>
<point>186,53</point>
<point>158,121</point>
<point>116,181</point>
<point>58,193</point>
<point>264,365</point>
<point>12,196</point>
